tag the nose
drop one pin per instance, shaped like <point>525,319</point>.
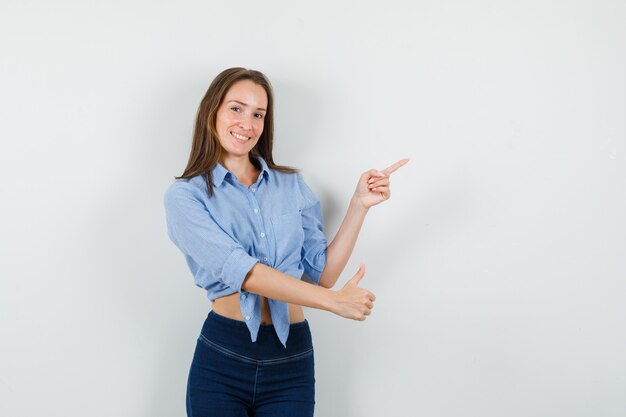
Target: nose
<point>247,122</point>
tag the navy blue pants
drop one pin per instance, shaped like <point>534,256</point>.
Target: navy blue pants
<point>231,376</point>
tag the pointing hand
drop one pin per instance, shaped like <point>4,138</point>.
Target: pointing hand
<point>373,186</point>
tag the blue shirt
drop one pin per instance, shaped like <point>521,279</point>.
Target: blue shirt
<point>276,221</point>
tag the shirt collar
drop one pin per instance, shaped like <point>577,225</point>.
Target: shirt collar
<point>219,172</point>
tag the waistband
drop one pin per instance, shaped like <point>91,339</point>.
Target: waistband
<point>234,335</point>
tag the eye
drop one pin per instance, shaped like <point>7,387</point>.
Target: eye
<point>236,109</point>
<point>259,116</point>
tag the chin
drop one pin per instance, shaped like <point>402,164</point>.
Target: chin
<point>237,152</point>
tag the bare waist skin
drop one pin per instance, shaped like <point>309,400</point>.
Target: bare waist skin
<point>228,306</point>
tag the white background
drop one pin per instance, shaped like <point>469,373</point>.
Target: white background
<point>498,263</point>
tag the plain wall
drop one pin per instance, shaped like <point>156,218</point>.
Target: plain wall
<point>498,262</point>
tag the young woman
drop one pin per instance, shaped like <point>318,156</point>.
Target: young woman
<point>249,229</point>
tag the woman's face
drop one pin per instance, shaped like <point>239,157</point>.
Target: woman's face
<point>240,117</point>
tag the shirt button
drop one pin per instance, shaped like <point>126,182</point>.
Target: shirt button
<point>266,259</point>
<point>253,189</point>
<point>243,296</point>
<point>256,210</point>
<point>247,317</point>
<point>262,234</point>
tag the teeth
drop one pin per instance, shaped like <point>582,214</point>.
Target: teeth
<point>240,137</point>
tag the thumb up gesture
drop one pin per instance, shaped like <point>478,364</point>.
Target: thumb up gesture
<point>352,301</point>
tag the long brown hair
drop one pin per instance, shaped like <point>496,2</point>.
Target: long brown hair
<point>206,149</point>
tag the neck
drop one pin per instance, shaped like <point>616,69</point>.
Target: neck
<point>241,167</point>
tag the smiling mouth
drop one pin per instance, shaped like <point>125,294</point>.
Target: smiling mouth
<point>240,137</point>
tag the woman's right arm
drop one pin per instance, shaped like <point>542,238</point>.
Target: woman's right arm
<point>199,237</point>
<point>351,301</point>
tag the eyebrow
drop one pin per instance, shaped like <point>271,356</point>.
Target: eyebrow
<point>244,104</point>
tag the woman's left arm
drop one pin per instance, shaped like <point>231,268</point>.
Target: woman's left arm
<point>372,189</point>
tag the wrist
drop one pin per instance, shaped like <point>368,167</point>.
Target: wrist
<point>329,301</point>
<point>357,205</point>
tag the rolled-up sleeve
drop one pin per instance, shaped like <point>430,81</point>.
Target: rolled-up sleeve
<point>315,245</point>
<point>195,232</point>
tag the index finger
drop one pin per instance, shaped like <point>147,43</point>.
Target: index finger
<point>395,166</point>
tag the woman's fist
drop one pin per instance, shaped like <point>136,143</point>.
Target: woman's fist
<point>352,301</point>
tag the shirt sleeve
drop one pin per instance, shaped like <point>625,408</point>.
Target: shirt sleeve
<point>314,246</point>
<point>194,231</point>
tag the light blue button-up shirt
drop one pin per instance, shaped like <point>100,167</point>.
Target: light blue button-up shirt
<point>276,221</point>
